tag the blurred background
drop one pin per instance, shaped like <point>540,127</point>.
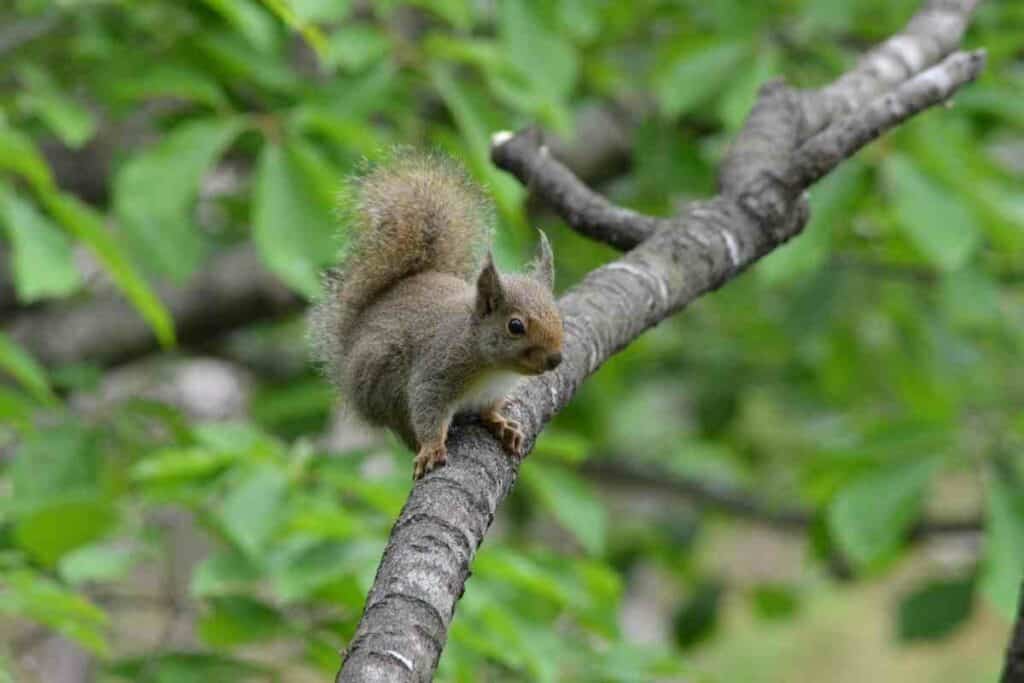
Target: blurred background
<point>812,474</point>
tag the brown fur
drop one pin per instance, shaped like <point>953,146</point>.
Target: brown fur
<point>412,323</point>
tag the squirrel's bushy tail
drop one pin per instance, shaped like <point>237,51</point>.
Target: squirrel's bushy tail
<point>409,214</point>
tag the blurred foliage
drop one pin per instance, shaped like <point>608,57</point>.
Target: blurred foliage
<point>853,371</point>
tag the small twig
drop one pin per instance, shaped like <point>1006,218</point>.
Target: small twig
<point>820,154</point>
<point>525,156</point>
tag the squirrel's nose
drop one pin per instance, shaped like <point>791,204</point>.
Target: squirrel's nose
<point>553,360</point>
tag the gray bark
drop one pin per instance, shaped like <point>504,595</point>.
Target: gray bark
<point>791,139</point>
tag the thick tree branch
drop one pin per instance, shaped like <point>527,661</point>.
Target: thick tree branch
<point>1013,672</point>
<point>426,562</point>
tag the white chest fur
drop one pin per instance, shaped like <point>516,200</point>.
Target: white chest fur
<point>485,389</point>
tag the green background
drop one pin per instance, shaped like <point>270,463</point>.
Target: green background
<point>868,373</point>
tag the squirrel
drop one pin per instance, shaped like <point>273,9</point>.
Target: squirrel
<point>416,324</point>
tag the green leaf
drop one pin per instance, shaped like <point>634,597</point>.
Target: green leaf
<point>524,573</point>
<point>292,214</point>
<point>935,221</point>
<point>15,362</point>
<point>155,190</point>
<point>236,620</point>
<point>310,33</point>
<point>235,61</point>
<point>224,573</point>
<point>19,155</point>
<point>323,518</point>
<point>303,566</point>
<point>240,438</point>
<point>775,601</point>
<point>53,463</point>
<point>1003,567</point>
<point>6,669</point>
<point>32,596</point>
<point>871,515</point>
<point>184,667</point>
<point>696,75</point>
<point>697,617</point>
<point>182,463</point>
<point>295,408</point>
<point>1005,101</point>
<point>108,562</point>
<point>964,169</point>
<point>626,663</point>
<point>971,297</point>
<point>580,19</point>
<point>16,410</point>
<point>60,502</point>
<point>935,609</point>
<point>458,13</point>
<point>738,99</point>
<point>41,95</point>
<point>49,532</point>
<point>85,224</point>
<point>252,509</point>
<point>172,80</point>
<point>571,501</point>
<point>250,20</point>
<point>322,10</point>
<point>354,47</point>
<point>543,65</point>
<point>40,253</point>
<point>567,447</point>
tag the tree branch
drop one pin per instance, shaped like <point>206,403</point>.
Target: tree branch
<point>744,504</point>
<point>426,562</point>
<point>528,159</point>
<point>235,288</point>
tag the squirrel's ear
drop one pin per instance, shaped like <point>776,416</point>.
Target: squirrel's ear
<point>489,291</point>
<point>542,268</point>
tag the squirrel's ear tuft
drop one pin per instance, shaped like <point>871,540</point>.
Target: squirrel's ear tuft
<point>542,268</point>
<point>490,293</point>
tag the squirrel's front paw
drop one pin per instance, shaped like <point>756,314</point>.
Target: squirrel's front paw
<point>508,431</point>
<point>429,458</point>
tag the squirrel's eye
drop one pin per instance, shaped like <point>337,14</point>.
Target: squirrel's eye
<point>516,327</point>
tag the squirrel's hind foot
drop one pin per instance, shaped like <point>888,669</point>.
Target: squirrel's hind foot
<point>507,430</point>
<point>430,457</point>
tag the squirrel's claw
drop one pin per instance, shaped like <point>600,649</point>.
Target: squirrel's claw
<point>428,459</point>
<point>508,431</point>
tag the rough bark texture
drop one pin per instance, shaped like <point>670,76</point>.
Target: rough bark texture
<point>791,139</point>
<point>1013,672</point>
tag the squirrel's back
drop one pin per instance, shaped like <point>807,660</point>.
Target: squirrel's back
<point>413,213</point>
